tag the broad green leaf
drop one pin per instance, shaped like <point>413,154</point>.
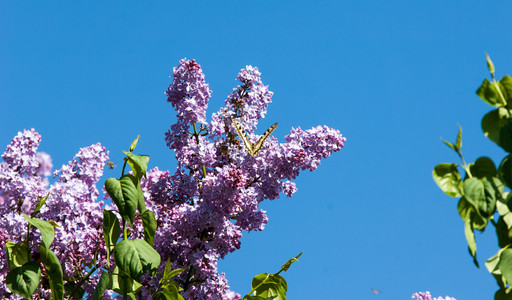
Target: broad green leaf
<point>505,170</point>
<point>502,208</point>
<point>24,280</point>
<point>506,136</point>
<point>141,203</point>
<point>287,265</point>
<point>134,143</point>
<point>139,163</point>
<point>482,194</point>
<point>474,191</point>
<point>135,257</point>
<point>125,195</point>
<point>487,91</point>
<point>121,282</point>
<point>448,179</point>
<point>503,231</point>
<point>470,238</point>
<point>46,229</point>
<point>270,285</point>
<point>54,272</point>
<point>492,263</point>
<point>468,214</point>
<point>505,264</point>
<point>506,89</point>
<point>111,231</point>
<point>492,123</point>
<point>17,254</point>
<point>170,292</point>
<point>483,167</point>
<point>149,223</point>
<point>99,291</point>
<point>465,209</point>
<point>502,294</point>
<point>492,191</point>
<point>39,204</point>
<point>249,297</point>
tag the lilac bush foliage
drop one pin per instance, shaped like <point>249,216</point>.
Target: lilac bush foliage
<point>214,195</point>
<point>71,204</point>
<point>202,208</point>
<point>427,296</point>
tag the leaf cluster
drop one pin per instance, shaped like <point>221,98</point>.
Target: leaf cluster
<point>25,273</point>
<point>482,191</point>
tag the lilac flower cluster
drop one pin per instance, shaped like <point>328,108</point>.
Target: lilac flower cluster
<point>201,209</point>
<point>214,195</point>
<point>427,296</point>
<point>71,204</point>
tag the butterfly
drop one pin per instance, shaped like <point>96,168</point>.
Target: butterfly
<point>251,148</point>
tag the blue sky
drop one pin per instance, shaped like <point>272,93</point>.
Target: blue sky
<point>392,76</point>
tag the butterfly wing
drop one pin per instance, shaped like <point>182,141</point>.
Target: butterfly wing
<point>259,144</point>
<point>241,133</point>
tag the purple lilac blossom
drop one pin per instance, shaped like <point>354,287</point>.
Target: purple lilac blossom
<point>201,209</point>
<point>201,215</point>
<point>71,204</point>
<point>427,296</point>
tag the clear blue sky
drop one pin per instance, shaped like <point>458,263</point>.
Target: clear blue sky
<point>393,76</point>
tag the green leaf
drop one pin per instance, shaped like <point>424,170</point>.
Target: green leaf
<point>470,238</point>
<point>149,223</point>
<point>502,294</point>
<point>138,163</point>
<point>505,140</point>
<point>505,264</point>
<point>481,194</point>
<point>492,263</point>
<point>136,257</point>
<point>503,230</point>
<point>490,65</point>
<point>24,280</point>
<point>170,293</point>
<point>506,89</point>
<point>287,265</point>
<point>141,203</point>
<point>448,179</point>
<point>270,286</point>
<point>502,208</point>
<point>111,231</point>
<point>168,273</point>
<point>46,229</point>
<point>487,91</point>
<point>483,167</point>
<point>99,291</point>
<point>458,143</point>
<point>17,254</point>
<point>125,195</point>
<point>39,204</point>
<point>134,143</point>
<point>122,283</point>
<point>505,171</point>
<point>452,146</point>
<point>54,272</point>
<point>492,123</point>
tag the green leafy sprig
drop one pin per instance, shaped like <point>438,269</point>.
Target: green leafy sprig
<point>481,192</point>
